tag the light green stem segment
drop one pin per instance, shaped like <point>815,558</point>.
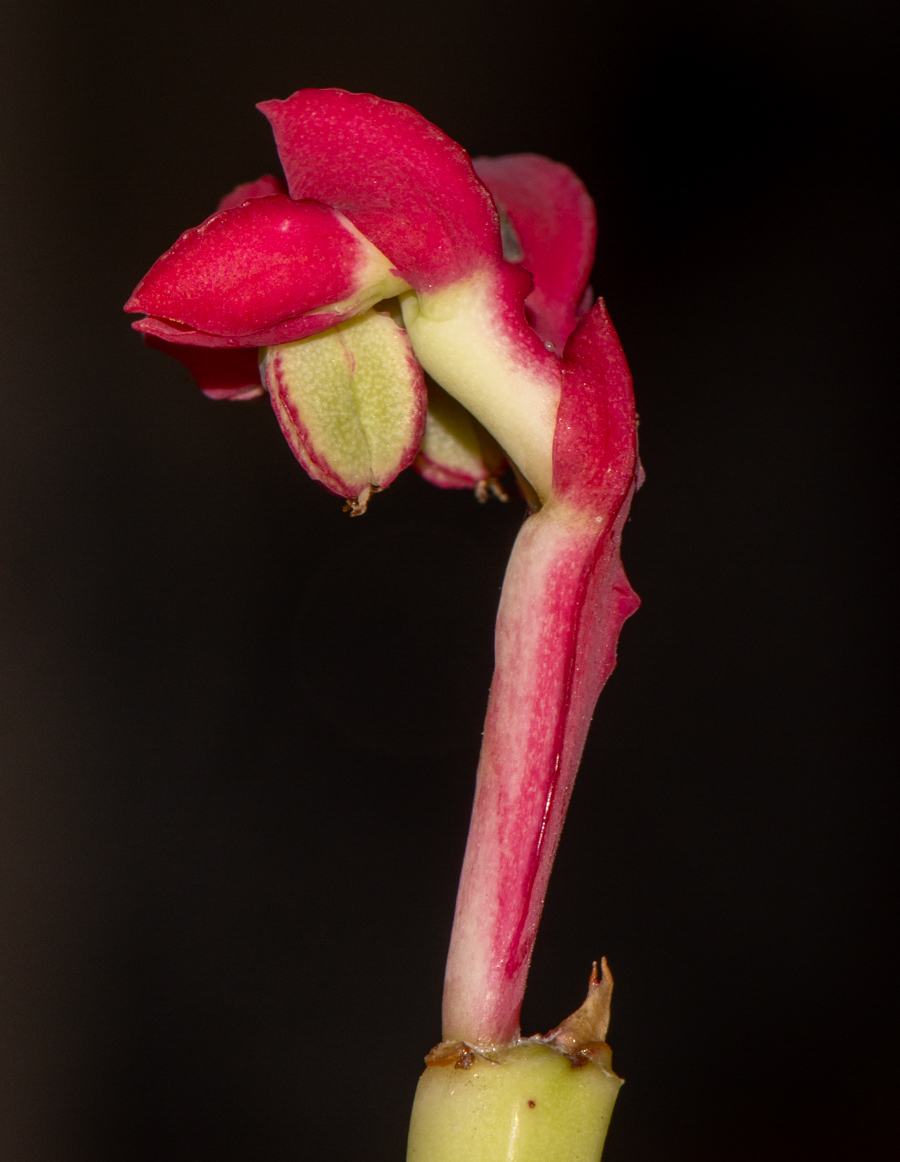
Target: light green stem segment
<point>525,1103</point>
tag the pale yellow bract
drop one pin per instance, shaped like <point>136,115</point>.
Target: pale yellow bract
<point>354,391</point>
<point>450,436</point>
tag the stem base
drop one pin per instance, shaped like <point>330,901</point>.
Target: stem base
<point>525,1103</point>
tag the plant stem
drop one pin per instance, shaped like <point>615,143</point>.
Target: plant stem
<point>526,1103</point>
<point>563,602</point>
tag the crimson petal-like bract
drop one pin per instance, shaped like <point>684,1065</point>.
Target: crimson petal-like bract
<point>401,181</point>
<point>257,274</point>
<point>263,187</point>
<point>224,372</point>
<point>555,225</point>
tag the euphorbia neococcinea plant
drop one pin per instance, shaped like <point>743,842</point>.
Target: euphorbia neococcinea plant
<point>389,253</point>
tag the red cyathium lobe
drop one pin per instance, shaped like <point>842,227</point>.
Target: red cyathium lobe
<point>382,204</point>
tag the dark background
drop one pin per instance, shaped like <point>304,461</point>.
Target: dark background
<point>239,730</point>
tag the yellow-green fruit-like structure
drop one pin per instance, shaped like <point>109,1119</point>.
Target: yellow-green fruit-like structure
<point>529,1102</point>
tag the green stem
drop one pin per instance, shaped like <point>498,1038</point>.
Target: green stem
<point>527,1103</point>
<point>545,1099</point>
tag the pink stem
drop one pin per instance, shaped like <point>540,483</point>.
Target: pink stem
<point>564,599</point>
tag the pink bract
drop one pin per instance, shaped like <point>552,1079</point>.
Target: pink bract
<point>263,187</point>
<point>399,179</point>
<point>251,275</point>
<point>555,224</point>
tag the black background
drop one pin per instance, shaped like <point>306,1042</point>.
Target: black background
<point>239,730</point>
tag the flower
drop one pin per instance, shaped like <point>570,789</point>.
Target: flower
<point>266,270</point>
<point>388,257</point>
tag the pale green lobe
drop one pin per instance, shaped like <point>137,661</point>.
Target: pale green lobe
<point>450,437</point>
<point>457,451</point>
<point>526,1103</point>
<point>351,402</point>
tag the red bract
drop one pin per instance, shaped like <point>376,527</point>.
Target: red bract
<point>263,187</point>
<point>400,180</point>
<point>555,231</point>
<point>383,206</point>
<point>269,271</point>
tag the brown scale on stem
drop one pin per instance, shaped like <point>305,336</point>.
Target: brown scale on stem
<point>583,1034</point>
<point>456,1053</point>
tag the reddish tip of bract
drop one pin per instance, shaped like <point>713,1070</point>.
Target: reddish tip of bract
<point>263,187</point>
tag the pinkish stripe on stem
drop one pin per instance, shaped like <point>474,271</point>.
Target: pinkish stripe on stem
<point>559,616</point>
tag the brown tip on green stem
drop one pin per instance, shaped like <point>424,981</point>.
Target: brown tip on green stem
<point>587,1025</point>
